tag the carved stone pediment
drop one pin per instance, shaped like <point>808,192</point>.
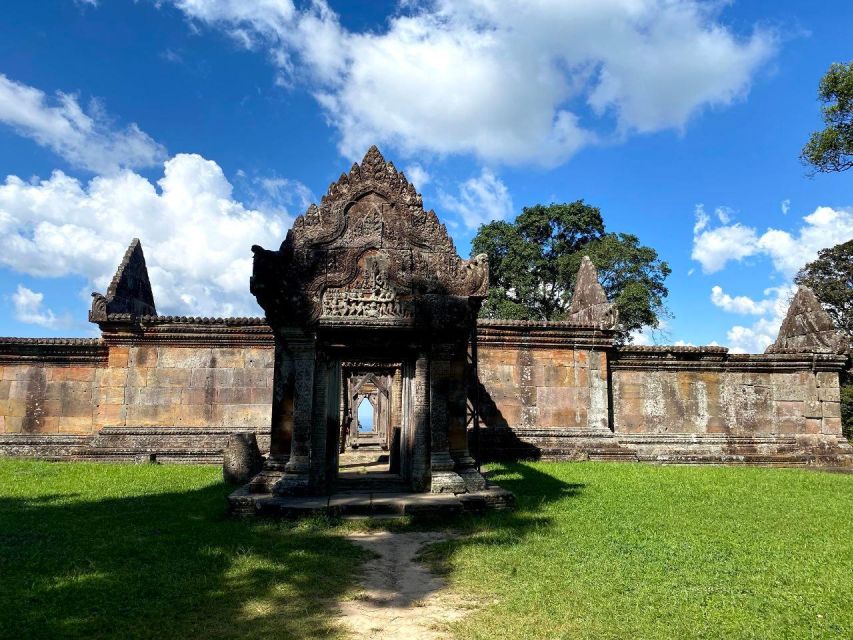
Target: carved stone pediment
<point>367,254</point>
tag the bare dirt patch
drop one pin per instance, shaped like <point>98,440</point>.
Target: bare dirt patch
<point>400,597</point>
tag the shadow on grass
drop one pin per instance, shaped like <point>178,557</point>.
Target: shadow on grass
<point>167,565</point>
<point>534,492</point>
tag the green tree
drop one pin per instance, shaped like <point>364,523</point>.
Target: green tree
<point>830,276</point>
<point>831,149</point>
<point>533,263</point>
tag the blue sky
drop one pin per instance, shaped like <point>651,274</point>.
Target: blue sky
<point>204,126</point>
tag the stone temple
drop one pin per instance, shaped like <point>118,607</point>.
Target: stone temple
<point>367,301</point>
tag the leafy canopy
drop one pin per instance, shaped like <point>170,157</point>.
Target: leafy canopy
<point>533,263</point>
<point>830,276</point>
<point>831,149</point>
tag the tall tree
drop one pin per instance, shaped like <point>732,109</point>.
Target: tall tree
<point>830,276</point>
<point>534,260</point>
<point>831,149</point>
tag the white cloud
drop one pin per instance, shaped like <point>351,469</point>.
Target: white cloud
<point>196,237</point>
<point>29,309</point>
<point>756,337</point>
<point>85,138</point>
<point>481,200</point>
<point>713,248</point>
<point>418,176</point>
<point>785,206</point>
<point>789,251</point>
<point>506,80</point>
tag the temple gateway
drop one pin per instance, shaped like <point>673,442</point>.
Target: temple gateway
<point>371,342</point>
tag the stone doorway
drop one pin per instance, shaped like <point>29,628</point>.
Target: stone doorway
<point>369,302</point>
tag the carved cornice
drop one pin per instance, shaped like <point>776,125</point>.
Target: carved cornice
<point>188,332</point>
<point>665,358</point>
<point>53,351</point>
<point>519,334</point>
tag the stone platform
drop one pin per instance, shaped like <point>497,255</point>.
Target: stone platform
<point>365,488</point>
<point>369,504</point>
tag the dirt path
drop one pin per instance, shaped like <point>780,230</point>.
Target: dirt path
<point>401,598</point>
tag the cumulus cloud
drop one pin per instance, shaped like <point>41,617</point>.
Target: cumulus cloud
<point>29,309</point>
<point>758,335</point>
<point>86,138</point>
<point>418,176</point>
<point>512,81</point>
<point>480,200</point>
<point>789,251</point>
<point>195,235</point>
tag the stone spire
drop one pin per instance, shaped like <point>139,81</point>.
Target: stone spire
<point>589,302</point>
<point>130,289</point>
<point>807,328</point>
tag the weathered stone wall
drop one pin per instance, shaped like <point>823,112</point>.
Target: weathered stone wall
<point>175,388</point>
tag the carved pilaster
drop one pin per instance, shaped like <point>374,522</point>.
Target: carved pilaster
<point>303,353</point>
<point>421,420</point>
<point>444,478</point>
<point>281,427</point>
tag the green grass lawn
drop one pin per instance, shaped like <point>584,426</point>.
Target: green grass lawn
<point>595,550</point>
<point>146,551</point>
<point>604,550</point>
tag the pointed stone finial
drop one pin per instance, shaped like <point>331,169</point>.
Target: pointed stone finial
<point>130,289</point>
<point>589,302</point>
<point>807,328</point>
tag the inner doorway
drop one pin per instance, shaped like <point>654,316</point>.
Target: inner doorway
<point>372,426</point>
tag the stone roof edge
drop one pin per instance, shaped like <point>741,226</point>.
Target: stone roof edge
<point>488,323</point>
<point>88,342</point>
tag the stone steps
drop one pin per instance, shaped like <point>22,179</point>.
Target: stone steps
<point>349,504</point>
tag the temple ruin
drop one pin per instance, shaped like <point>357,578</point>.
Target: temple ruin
<point>367,301</point>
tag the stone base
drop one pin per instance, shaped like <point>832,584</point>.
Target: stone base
<point>473,479</point>
<point>447,482</point>
<point>292,484</point>
<point>369,504</point>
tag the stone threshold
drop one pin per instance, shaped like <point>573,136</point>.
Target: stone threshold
<point>369,504</point>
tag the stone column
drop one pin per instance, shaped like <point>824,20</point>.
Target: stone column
<point>421,422</point>
<point>281,426</point>
<point>460,377</point>
<point>444,478</point>
<point>295,480</point>
<point>320,418</point>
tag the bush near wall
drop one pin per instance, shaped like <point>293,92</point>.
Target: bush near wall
<point>847,407</point>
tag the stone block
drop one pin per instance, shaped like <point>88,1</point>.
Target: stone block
<point>173,377</point>
<point>143,357</point>
<point>77,374</point>
<point>5,388</point>
<point>259,357</point>
<point>227,358</point>
<point>627,390</point>
<point>185,358</point>
<point>13,424</point>
<point>109,395</point>
<point>829,394</point>
<point>241,458</point>
<point>248,415</point>
<point>581,358</point>
<point>145,415</point>
<point>831,409</point>
<point>75,424</point>
<point>827,379</point>
<point>199,415</point>
<point>812,409</point>
<point>787,425</point>
<point>787,408</point>
<point>118,357</point>
<point>832,426</point>
<point>814,425</point>
<point>110,415</point>
<point>257,378</point>
<point>113,377</point>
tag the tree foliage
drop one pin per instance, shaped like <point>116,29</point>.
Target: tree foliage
<point>533,263</point>
<point>830,276</point>
<point>831,149</point>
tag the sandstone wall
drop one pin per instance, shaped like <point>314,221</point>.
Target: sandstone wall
<point>176,387</point>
